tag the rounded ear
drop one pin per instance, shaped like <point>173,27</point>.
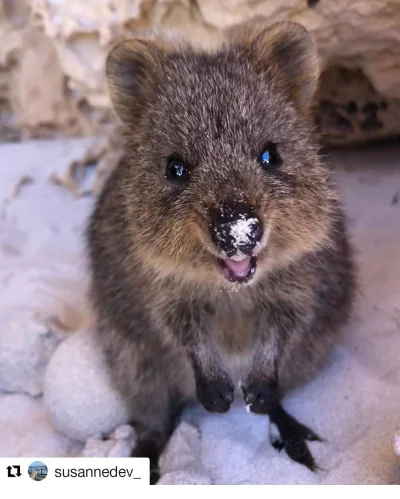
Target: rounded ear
<point>284,51</point>
<point>132,69</point>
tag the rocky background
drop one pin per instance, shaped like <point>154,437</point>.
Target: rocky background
<point>52,56</point>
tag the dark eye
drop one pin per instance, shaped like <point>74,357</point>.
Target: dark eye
<point>269,158</point>
<point>177,170</point>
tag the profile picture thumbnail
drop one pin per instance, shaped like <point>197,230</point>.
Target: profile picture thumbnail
<point>37,471</point>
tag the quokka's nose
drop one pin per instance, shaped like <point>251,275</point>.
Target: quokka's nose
<point>236,229</point>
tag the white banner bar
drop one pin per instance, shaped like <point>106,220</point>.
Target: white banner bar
<point>47,477</point>
<point>75,478</point>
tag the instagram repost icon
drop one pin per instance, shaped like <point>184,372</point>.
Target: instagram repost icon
<point>37,471</point>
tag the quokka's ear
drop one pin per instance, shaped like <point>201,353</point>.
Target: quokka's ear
<point>283,50</point>
<point>132,70</point>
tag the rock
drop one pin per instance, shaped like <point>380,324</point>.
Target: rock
<point>361,36</point>
<point>351,111</point>
<point>119,444</point>
<point>25,430</point>
<point>123,432</point>
<point>78,393</point>
<point>180,463</point>
<point>27,342</point>
<point>32,84</point>
<point>121,448</point>
<point>96,447</point>
<point>397,442</point>
<point>73,38</point>
<point>368,461</point>
<point>185,477</point>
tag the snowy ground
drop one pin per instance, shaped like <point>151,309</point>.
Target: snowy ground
<point>45,342</point>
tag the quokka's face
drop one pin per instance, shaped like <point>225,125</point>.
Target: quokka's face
<point>223,180</point>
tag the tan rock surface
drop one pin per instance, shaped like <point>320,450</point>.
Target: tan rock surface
<point>362,36</point>
<point>32,83</point>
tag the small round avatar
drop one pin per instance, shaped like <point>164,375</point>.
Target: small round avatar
<point>38,471</point>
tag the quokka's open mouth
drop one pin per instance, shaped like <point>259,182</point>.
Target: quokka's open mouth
<point>238,269</point>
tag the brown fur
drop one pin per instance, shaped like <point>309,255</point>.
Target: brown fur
<point>170,324</point>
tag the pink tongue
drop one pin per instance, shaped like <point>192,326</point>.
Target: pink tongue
<point>239,269</point>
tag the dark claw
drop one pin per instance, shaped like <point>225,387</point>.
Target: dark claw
<point>154,476</point>
<point>216,395</point>
<point>287,433</point>
<point>299,452</point>
<point>149,447</point>
<point>260,397</point>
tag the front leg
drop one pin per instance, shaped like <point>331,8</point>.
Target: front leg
<point>262,396</point>
<point>214,387</point>
<point>192,324</point>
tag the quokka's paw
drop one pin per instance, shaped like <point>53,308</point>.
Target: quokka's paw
<point>287,433</point>
<point>259,397</point>
<point>216,395</point>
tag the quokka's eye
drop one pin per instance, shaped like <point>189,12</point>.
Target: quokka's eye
<point>177,171</point>
<point>269,158</point>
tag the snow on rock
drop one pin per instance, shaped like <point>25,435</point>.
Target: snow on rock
<point>120,443</point>
<point>27,342</point>
<point>78,393</point>
<point>369,461</point>
<point>25,430</point>
<point>397,442</point>
<point>181,461</point>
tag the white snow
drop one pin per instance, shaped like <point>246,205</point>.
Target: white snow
<point>353,403</point>
<point>86,387</point>
<point>26,346</point>
<point>397,443</point>
<point>119,443</point>
<point>240,230</point>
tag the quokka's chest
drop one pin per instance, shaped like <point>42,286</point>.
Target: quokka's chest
<point>235,336</point>
<point>236,332</point>
<point>234,327</point>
